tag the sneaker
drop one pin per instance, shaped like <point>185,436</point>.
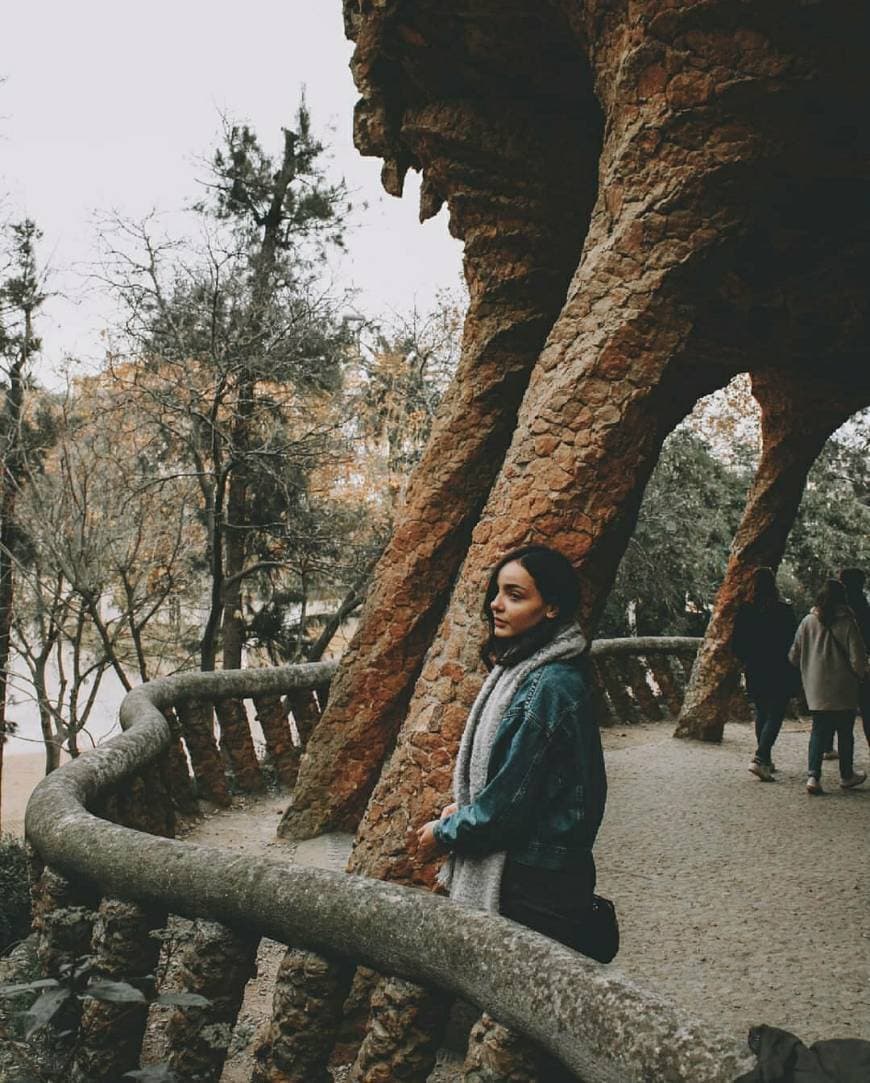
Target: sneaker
<point>832,755</point>
<point>761,770</point>
<point>814,786</point>
<point>850,783</point>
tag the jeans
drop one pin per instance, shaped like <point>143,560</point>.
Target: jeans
<point>769,713</point>
<point>825,724</point>
<point>864,711</point>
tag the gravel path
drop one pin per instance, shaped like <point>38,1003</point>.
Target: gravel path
<point>743,902</point>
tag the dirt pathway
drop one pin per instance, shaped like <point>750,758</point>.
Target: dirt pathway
<point>742,902</point>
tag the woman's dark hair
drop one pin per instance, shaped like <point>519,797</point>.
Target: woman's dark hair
<point>830,599</point>
<point>764,593</point>
<point>557,582</point>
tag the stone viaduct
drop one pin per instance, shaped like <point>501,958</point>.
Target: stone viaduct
<point>653,195</point>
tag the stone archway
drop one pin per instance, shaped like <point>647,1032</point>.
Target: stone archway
<point>729,233</point>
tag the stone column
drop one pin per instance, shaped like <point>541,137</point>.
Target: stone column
<point>237,745</point>
<point>519,194</point>
<point>217,965</point>
<point>197,727</point>
<point>111,1033</point>
<point>798,414</point>
<point>406,1026</point>
<point>666,305</point>
<point>306,1010</point>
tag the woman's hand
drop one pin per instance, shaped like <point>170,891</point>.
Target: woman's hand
<point>448,810</point>
<point>427,844</point>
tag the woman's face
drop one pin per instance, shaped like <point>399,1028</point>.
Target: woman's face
<point>518,605</point>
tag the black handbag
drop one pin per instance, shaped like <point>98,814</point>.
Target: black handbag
<point>598,931</point>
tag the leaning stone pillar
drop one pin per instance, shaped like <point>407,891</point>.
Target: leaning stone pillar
<point>406,1026</point>
<point>306,1011</point>
<point>498,1055</point>
<point>798,415</point>
<point>519,193</point>
<point>111,1033</point>
<point>197,726</point>
<point>217,965</point>
<point>272,716</point>
<point>237,745</point>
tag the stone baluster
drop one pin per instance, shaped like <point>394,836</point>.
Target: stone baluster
<point>635,670</point>
<point>272,716</point>
<point>237,745</point>
<point>306,712</point>
<point>406,1026</point>
<point>306,1011</point>
<point>63,919</point>
<point>178,777</point>
<point>197,723</point>
<point>616,683</point>
<point>355,1016</point>
<point>217,965</point>
<point>498,1055</point>
<point>599,696</point>
<point>663,674</point>
<point>111,1033</point>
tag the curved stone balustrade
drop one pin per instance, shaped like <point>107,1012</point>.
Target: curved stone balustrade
<point>602,1026</point>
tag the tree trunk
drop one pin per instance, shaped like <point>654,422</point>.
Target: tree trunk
<point>797,417</point>
<point>13,468</point>
<point>523,219</point>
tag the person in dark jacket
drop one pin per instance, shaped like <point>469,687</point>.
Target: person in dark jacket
<point>763,633</point>
<point>529,784</point>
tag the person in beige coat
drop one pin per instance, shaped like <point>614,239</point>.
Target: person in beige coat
<point>829,651</point>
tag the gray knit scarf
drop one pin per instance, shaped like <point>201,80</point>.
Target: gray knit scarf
<point>476,881</point>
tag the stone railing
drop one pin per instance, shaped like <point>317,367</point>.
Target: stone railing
<point>112,878</point>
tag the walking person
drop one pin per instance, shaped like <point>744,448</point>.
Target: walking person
<point>853,580</point>
<point>829,651</point>
<point>764,630</point>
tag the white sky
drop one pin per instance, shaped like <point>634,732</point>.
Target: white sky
<point>109,105</point>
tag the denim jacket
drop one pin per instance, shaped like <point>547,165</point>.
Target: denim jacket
<point>546,784</point>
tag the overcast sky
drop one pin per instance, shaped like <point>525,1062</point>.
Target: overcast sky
<point>109,105</point>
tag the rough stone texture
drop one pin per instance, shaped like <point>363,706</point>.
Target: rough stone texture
<point>496,1055</point>
<point>667,682</point>
<point>405,1030</point>
<point>354,1016</point>
<point>63,919</point>
<point>470,101</point>
<point>272,716</point>
<point>698,263</point>
<point>238,746</point>
<point>599,1024</point>
<point>197,727</point>
<point>730,233</point>
<point>217,965</point>
<point>110,1035</point>
<point>798,415</point>
<point>178,778</point>
<point>306,1009</point>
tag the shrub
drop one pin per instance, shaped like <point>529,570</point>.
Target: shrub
<point>14,891</point>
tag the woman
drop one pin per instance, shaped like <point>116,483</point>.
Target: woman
<point>829,651</point>
<point>529,782</point>
<point>763,633</point>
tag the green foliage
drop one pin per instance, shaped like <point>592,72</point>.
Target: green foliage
<point>676,558</point>
<point>832,529</point>
<point>14,891</point>
<point>675,562</point>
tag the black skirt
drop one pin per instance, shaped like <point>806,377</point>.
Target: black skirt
<point>554,902</point>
